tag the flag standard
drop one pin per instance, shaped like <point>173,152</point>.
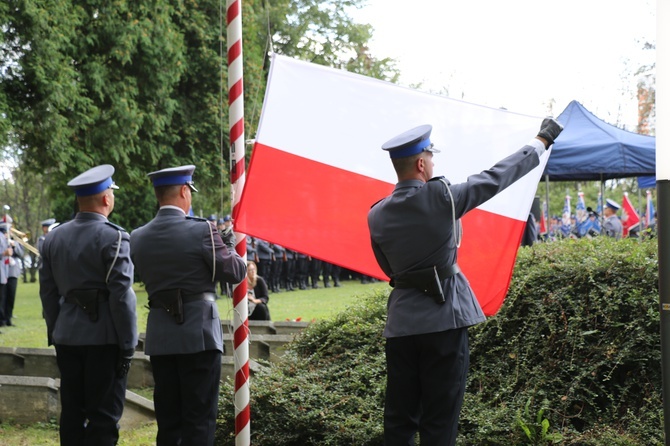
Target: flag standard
<point>630,218</point>
<point>650,212</point>
<point>566,220</point>
<point>317,167</point>
<point>543,219</point>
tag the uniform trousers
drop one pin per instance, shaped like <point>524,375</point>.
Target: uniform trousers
<point>3,304</point>
<point>186,395</point>
<point>92,395</point>
<point>425,385</point>
<point>10,298</point>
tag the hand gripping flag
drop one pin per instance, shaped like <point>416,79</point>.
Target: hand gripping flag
<point>317,167</point>
<point>630,218</point>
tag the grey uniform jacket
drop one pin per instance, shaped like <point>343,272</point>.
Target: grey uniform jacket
<point>176,252</point>
<point>612,227</point>
<point>86,253</point>
<point>412,229</point>
<point>4,268</point>
<point>14,261</point>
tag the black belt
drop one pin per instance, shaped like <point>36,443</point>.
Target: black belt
<point>155,299</point>
<point>443,273</point>
<point>76,298</point>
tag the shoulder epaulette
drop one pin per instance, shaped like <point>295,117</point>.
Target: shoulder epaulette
<point>115,226</point>
<point>440,178</point>
<point>190,217</point>
<point>376,203</point>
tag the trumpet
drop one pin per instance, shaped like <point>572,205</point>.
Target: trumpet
<point>20,240</point>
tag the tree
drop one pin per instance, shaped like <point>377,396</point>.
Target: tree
<point>138,84</point>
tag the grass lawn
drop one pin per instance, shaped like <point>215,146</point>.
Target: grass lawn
<point>29,330</point>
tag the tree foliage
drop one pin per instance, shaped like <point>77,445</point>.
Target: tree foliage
<point>138,84</point>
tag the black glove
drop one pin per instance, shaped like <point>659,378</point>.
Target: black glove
<point>123,362</point>
<point>228,237</point>
<point>549,130</point>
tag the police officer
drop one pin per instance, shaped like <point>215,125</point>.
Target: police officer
<point>6,250</point>
<point>612,226</point>
<point>414,234</point>
<point>14,264</point>
<point>288,274</point>
<point>181,259</point>
<point>266,257</point>
<point>89,306</point>
<point>279,254</point>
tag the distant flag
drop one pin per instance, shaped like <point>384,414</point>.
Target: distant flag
<point>630,218</point>
<point>566,219</point>
<point>543,219</point>
<point>649,214</point>
<point>580,208</point>
<point>317,167</point>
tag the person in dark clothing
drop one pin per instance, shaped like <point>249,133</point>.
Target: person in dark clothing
<point>257,293</point>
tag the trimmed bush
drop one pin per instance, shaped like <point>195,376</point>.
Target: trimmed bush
<point>572,358</point>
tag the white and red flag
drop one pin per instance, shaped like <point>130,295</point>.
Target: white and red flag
<point>630,218</point>
<point>317,167</point>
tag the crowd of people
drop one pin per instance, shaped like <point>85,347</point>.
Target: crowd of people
<point>588,225</point>
<point>276,269</point>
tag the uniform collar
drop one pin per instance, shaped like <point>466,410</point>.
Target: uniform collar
<point>409,183</point>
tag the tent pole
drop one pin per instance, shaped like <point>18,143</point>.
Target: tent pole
<point>546,195</point>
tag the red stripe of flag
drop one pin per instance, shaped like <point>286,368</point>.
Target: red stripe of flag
<point>333,226</point>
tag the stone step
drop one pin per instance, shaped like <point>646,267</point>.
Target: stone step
<point>33,399</point>
<point>264,347</point>
<point>41,362</point>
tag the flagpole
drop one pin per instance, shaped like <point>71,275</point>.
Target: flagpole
<point>237,174</point>
<point>663,197</point>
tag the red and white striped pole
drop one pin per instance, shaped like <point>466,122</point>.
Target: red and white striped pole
<point>237,178</point>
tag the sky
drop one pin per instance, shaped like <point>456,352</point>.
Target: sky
<point>520,54</point>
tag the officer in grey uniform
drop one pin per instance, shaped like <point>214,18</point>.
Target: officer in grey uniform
<point>89,305</point>
<point>181,260</point>
<point>612,226</point>
<point>5,250</point>
<point>414,234</point>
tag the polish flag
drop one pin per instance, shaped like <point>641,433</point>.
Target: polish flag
<point>630,218</point>
<point>317,166</point>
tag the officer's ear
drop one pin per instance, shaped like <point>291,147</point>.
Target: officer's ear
<point>421,164</point>
<point>183,190</point>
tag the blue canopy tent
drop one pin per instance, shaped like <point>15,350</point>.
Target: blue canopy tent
<point>590,149</point>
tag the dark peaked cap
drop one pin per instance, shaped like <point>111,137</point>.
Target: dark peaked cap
<point>93,181</point>
<point>174,176</point>
<point>411,142</point>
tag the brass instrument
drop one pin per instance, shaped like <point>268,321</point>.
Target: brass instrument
<point>19,239</point>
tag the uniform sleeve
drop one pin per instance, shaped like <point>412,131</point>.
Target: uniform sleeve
<point>381,259</point>
<point>49,294</point>
<point>483,186</point>
<point>227,264</point>
<point>122,299</point>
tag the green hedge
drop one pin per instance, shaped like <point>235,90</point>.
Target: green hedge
<point>572,358</point>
